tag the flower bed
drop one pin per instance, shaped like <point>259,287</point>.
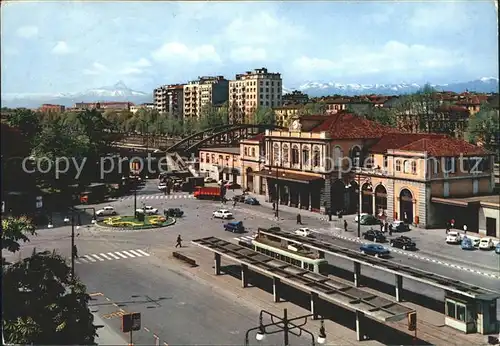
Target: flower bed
<point>130,222</point>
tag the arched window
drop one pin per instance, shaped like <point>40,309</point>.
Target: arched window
<point>406,166</point>
<point>414,167</point>
<point>276,153</point>
<point>285,153</point>
<point>356,156</point>
<point>245,151</point>
<point>253,152</point>
<point>398,165</point>
<point>207,156</point>
<point>316,156</point>
<point>305,156</point>
<point>337,156</point>
<point>295,154</point>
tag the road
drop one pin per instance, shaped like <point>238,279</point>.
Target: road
<point>121,267</point>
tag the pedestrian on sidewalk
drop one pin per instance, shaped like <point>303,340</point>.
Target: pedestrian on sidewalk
<point>452,222</point>
<point>75,251</point>
<point>274,205</point>
<point>390,229</point>
<point>386,226</point>
<point>381,226</point>
<point>345,225</point>
<point>179,241</point>
<point>299,219</point>
<point>465,228</point>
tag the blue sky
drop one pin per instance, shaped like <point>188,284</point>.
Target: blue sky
<point>73,46</point>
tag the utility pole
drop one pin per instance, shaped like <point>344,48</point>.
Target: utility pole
<point>135,199</point>
<point>73,246</point>
<point>359,205</point>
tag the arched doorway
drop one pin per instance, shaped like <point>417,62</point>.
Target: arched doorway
<point>406,206</point>
<point>367,198</point>
<point>353,193</point>
<point>249,175</point>
<point>337,196</point>
<point>380,200</point>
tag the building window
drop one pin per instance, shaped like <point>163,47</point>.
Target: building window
<point>386,161</point>
<point>305,156</point>
<point>245,151</point>
<point>450,309</point>
<point>253,152</point>
<point>208,158</point>
<point>406,166</point>
<point>316,156</point>
<point>295,154</point>
<point>285,153</point>
<point>398,165</point>
<point>413,167</point>
<point>356,156</point>
<point>276,154</point>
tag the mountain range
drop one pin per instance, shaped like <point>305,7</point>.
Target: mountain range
<point>120,92</point>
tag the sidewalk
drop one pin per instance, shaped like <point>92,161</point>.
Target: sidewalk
<point>106,335</point>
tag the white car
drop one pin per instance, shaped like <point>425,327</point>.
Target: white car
<point>162,186</point>
<point>486,244</point>
<point>149,210</point>
<point>304,232</point>
<point>453,237</point>
<point>222,214</point>
<point>106,211</point>
<point>360,216</point>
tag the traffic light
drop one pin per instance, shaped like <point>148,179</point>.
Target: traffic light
<point>412,321</point>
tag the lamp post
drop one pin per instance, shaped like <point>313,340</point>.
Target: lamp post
<point>94,220</point>
<point>287,326</point>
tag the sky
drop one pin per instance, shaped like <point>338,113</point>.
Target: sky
<point>63,47</point>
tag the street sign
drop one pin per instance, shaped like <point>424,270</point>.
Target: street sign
<point>131,322</point>
<point>39,202</point>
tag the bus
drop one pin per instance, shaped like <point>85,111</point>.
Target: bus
<point>295,254</point>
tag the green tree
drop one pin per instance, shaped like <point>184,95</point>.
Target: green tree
<point>483,129</point>
<point>313,108</point>
<point>211,117</point>
<point>27,121</point>
<point>14,231</point>
<point>264,116</point>
<point>382,116</point>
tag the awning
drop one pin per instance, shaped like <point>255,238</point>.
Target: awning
<point>295,177</point>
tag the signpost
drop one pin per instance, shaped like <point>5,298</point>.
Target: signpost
<point>39,202</point>
<point>131,322</point>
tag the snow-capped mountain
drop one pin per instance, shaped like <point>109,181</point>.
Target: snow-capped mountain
<point>316,89</point>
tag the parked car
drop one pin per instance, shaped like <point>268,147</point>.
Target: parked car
<point>360,216</point>
<point>222,214</point>
<point>369,220</point>
<point>239,198</point>
<point>162,186</point>
<point>252,201</point>
<point>235,227</point>
<point>404,243</point>
<point>304,232</point>
<point>374,235</point>
<point>467,244</point>
<point>375,249</point>
<point>174,212</point>
<point>486,244</point>
<point>400,226</point>
<point>497,249</point>
<point>453,238</point>
<point>106,211</point>
<point>209,180</point>
<point>148,210</point>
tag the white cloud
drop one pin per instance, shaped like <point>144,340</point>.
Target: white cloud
<point>393,56</point>
<point>142,62</point>
<point>61,48</point>
<point>247,53</point>
<point>179,51</point>
<point>96,69</point>
<point>263,28</point>
<point>27,31</point>
<point>131,70</point>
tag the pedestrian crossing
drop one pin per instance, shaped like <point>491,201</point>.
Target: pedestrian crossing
<point>246,238</point>
<point>111,256</point>
<point>151,197</point>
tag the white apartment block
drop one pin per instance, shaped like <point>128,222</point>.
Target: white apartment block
<point>170,99</point>
<point>135,109</point>
<point>204,90</point>
<point>252,90</point>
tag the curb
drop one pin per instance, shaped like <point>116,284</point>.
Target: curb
<point>122,229</point>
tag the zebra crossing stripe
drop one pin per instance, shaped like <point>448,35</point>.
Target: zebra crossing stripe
<point>99,258</point>
<point>113,255</point>
<point>120,254</point>
<point>143,252</point>
<point>106,257</point>
<point>158,197</point>
<point>90,258</point>
<point>135,253</point>
<point>128,253</point>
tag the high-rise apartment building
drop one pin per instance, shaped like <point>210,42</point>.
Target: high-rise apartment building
<point>170,99</point>
<point>204,90</point>
<point>252,90</point>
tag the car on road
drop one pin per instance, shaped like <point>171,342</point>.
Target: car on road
<point>375,249</point>
<point>356,219</point>
<point>404,243</point>
<point>235,227</point>
<point>239,198</point>
<point>174,212</point>
<point>106,211</point>
<point>453,238</point>
<point>369,220</point>
<point>252,201</point>
<point>400,226</point>
<point>304,232</point>
<point>467,244</point>
<point>148,210</point>
<point>222,214</point>
<point>374,235</point>
<point>162,186</point>
<point>486,244</point>
<point>209,180</point>
<point>497,249</point>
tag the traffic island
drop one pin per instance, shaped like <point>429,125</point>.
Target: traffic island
<point>127,222</point>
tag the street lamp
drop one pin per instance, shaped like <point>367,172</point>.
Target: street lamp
<point>94,220</point>
<point>287,326</point>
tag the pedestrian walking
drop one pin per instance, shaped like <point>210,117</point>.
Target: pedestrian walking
<point>234,203</point>
<point>345,225</point>
<point>75,251</point>
<point>179,241</point>
<point>405,217</point>
<point>452,222</point>
<point>465,229</point>
<point>390,229</point>
<point>274,205</point>
<point>447,227</point>
<point>381,226</point>
<point>386,226</point>
<point>299,219</point>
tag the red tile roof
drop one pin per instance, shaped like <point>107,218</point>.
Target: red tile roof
<point>345,125</point>
<point>398,140</point>
<point>257,138</point>
<point>452,108</point>
<point>444,147</point>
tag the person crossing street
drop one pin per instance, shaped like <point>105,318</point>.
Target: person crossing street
<point>75,251</point>
<point>179,241</point>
